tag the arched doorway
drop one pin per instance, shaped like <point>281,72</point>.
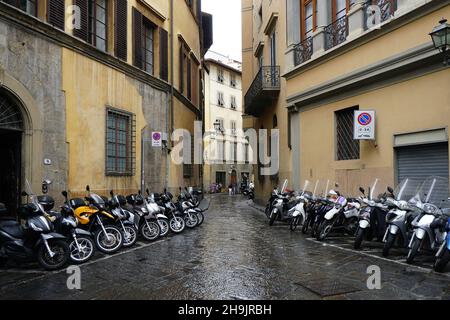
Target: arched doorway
<point>11,129</point>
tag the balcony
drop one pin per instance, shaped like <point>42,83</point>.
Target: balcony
<point>263,90</point>
<point>303,51</point>
<point>336,33</point>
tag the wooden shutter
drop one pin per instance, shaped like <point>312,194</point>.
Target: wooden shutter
<point>188,69</point>
<point>82,32</point>
<point>163,55</point>
<point>137,38</point>
<point>181,68</point>
<point>56,13</point>
<point>120,15</point>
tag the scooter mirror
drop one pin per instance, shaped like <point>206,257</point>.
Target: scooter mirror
<point>362,190</point>
<point>390,190</point>
<point>111,193</point>
<point>336,185</point>
<point>88,188</point>
<point>64,193</point>
<point>148,191</point>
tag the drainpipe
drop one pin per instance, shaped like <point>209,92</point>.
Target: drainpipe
<point>169,109</point>
<point>142,158</point>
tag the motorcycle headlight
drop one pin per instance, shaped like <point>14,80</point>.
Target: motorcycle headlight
<point>144,210</point>
<point>429,208</point>
<point>402,205</point>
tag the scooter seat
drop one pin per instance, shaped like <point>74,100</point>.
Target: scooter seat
<point>12,228</point>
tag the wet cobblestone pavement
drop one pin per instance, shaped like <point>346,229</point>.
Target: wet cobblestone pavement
<point>233,255</point>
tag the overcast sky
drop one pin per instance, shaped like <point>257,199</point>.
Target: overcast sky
<point>227,26</point>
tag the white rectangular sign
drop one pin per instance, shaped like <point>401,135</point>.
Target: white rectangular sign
<point>156,139</point>
<point>364,125</point>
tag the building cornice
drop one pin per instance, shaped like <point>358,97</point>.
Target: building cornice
<point>44,30</point>
<point>410,64</point>
<point>271,23</point>
<point>152,10</point>
<point>187,103</point>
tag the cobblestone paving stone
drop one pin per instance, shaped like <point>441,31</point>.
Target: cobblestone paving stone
<point>233,255</point>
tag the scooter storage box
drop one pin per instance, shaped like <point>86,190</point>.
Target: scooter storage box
<point>47,202</point>
<point>122,200</point>
<point>77,202</point>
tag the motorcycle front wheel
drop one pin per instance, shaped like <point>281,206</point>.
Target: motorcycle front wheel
<point>130,234</point>
<point>164,226</point>
<point>412,253</point>
<point>389,244</point>
<point>359,238</point>
<point>442,261</point>
<point>111,242</point>
<point>324,230</point>
<point>150,230</point>
<point>273,216</point>
<point>191,220</point>
<point>201,218</point>
<point>177,224</point>
<point>61,250</point>
<point>87,248</point>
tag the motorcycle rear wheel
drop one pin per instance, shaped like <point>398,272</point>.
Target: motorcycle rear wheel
<point>441,262</point>
<point>61,250</point>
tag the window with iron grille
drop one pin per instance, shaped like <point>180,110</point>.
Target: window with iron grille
<point>120,143</point>
<point>346,147</point>
<point>97,25</point>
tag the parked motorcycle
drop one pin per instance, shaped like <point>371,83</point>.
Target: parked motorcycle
<point>176,220</point>
<point>299,211</point>
<point>158,211</point>
<point>34,239</point>
<point>81,244</point>
<point>148,225</point>
<point>126,220</point>
<point>282,205</point>
<point>432,195</point>
<point>94,218</point>
<point>400,215</point>
<point>372,216</point>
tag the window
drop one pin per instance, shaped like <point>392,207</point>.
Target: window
<point>221,178</point>
<point>233,80</point>
<point>273,49</point>
<point>233,127</point>
<point>97,24</point>
<point>220,76</point>
<point>308,20</point>
<point>148,47</point>
<point>340,8</point>
<point>233,103</point>
<point>220,121</point>
<point>29,6</point>
<point>346,147</point>
<point>220,99</point>
<point>120,143</point>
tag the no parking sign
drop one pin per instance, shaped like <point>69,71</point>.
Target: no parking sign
<point>364,125</point>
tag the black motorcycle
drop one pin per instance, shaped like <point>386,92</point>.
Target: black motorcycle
<point>34,239</point>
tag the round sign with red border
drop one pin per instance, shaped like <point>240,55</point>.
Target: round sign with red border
<point>364,119</point>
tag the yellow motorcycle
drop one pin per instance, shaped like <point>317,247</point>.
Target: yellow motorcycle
<point>92,216</point>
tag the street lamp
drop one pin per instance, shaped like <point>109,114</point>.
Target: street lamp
<point>441,38</point>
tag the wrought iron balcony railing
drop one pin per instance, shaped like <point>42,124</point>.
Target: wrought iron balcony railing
<point>336,32</point>
<point>263,89</point>
<point>378,11</point>
<point>303,51</point>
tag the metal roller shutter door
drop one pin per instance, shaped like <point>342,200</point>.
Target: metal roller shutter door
<point>422,161</point>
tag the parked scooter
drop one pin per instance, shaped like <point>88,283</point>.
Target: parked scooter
<point>299,211</point>
<point>176,221</point>
<point>282,205</point>
<point>34,239</point>
<point>372,216</point>
<point>101,224</point>
<point>126,220</point>
<point>158,211</point>
<point>443,254</point>
<point>81,244</point>
<point>343,216</point>
<point>400,216</point>
<point>429,200</point>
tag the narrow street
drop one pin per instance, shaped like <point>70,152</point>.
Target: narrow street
<point>233,255</point>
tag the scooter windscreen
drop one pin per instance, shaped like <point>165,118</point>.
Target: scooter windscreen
<point>434,191</point>
<point>407,189</point>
